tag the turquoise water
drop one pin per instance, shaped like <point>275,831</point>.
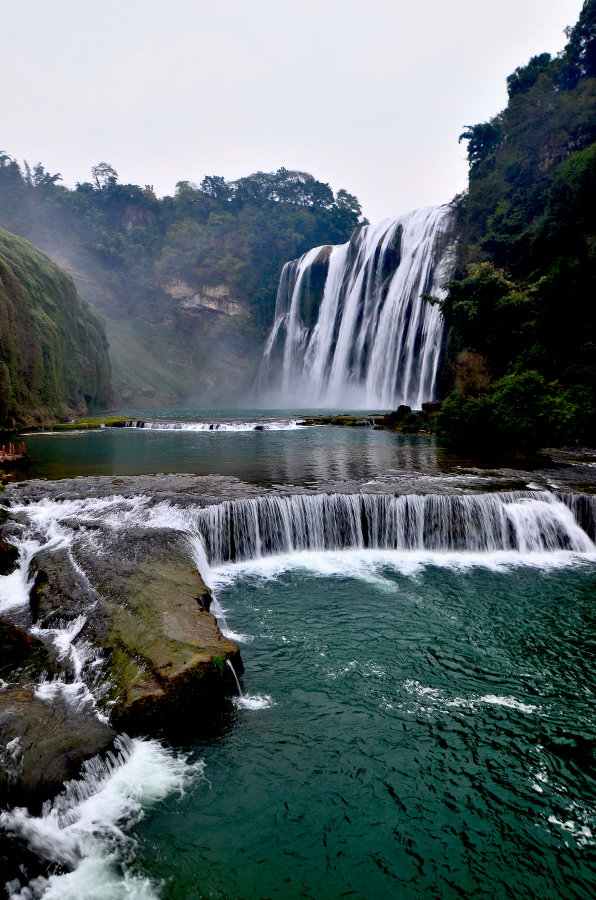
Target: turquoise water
<point>411,726</point>
<point>312,454</point>
<point>409,731</point>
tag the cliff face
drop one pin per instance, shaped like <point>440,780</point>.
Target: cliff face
<point>177,341</point>
<point>53,347</point>
<point>521,313</point>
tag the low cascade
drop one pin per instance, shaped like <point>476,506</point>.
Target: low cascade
<point>351,327</point>
<point>272,425</point>
<point>528,522</point>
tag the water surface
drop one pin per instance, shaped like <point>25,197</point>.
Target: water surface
<point>273,456</point>
<point>411,731</point>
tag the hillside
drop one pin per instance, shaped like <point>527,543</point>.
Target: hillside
<point>187,283</point>
<point>522,310</point>
<point>53,349</point>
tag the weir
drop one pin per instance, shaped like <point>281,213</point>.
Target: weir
<point>351,327</point>
<point>272,425</point>
<point>528,522</point>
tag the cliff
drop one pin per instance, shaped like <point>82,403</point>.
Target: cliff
<point>53,348</point>
<point>521,312</point>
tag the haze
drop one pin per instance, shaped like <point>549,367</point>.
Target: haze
<point>370,96</point>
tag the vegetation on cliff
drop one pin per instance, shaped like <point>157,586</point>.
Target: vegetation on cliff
<point>187,283</point>
<point>53,349</point>
<point>521,310</point>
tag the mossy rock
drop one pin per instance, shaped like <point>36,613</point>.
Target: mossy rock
<point>166,651</point>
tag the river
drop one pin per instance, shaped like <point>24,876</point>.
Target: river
<point>416,717</point>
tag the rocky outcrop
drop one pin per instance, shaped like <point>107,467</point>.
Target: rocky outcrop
<point>401,419</point>
<point>46,731</point>
<point>214,298</point>
<point>166,652</point>
<point>44,740</point>
<point>147,610</point>
<point>20,650</point>
<point>148,655</point>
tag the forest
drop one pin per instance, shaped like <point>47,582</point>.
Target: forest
<point>521,309</point>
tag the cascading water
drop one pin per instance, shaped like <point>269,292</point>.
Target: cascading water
<point>351,327</point>
<point>271,425</point>
<point>527,522</point>
<point>233,670</point>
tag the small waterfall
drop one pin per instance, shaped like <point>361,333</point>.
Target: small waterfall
<point>527,522</point>
<point>351,327</point>
<point>272,425</point>
<point>229,664</point>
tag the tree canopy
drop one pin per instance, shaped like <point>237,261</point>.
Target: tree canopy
<point>522,306</point>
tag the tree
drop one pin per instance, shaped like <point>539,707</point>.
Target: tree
<point>104,175</point>
<point>216,187</point>
<point>483,139</point>
<point>525,77</point>
<point>580,52</point>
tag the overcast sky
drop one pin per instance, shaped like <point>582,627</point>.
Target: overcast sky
<point>368,95</point>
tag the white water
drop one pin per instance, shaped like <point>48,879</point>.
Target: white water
<point>272,425</point>
<point>375,342</point>
<point>83,829</point>
<point>248,701</point>
<point>524,522</point>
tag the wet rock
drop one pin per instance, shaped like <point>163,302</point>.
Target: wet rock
<point>8,557</point>
<point>399,416</point>
<point>146,608</point>
<point>60,593</point>
<point>166,652</point>
<point>19,865</point>
<point>21,651</point>
<point>43,743</point>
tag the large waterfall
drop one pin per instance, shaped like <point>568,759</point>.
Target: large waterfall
<point>351,327</point>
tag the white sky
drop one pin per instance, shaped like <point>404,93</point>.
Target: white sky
<point>369,95</point>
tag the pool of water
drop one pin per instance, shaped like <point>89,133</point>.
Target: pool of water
<point>412,724</point>
<point>281,453</point>
<point>408,730</point>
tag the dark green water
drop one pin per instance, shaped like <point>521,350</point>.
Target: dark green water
<point>431,733</point>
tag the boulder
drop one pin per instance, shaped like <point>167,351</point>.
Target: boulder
<point>146,608</point>
<point>8,557</point>
<point>21,651</point>
<point>44,743</point>
<point>433,406</point>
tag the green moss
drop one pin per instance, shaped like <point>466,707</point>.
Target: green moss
<point>53,349</point>
<point>218,664</point>
<point>87,423</point>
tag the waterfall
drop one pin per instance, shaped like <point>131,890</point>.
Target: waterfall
<point>527,522</point>
<point>230,665</point>
<point>351,327</point>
